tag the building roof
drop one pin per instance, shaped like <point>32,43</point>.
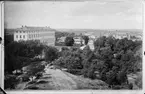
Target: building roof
<point>29,28</point>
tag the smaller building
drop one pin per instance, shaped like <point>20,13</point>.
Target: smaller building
<point>78,40</point>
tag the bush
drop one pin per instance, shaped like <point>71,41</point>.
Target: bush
<point>75,71</point>
<point>38,75</point>
<point>25,78</point>
<point>35,70</point>
<point>130,86</point>
<point>10,81</point>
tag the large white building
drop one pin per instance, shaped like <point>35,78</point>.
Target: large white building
<point>44,34</point>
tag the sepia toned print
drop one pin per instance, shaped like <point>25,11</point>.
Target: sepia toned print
<point>65,45</point>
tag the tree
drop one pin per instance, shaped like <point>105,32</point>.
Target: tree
<point>90,73</point>
<point>51,53</point>
<point>69,41</point>
<point>100,42</point>
<point>87,53</point>
<point>18,53</point>
<point>86,39</point>
<point>110,41</point>
<point>110,77</point>
<point>122,76</point>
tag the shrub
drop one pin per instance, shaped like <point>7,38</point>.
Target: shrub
<point>25,78</point>
<point>34,71</point>
<point>10,81</point>
<point>130,86</point>
<point>38,75</point>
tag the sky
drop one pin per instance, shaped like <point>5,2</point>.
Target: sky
<point>89,14</point>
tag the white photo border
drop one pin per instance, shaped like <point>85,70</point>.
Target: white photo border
<point>64,91</point>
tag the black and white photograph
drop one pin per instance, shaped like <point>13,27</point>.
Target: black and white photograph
<point>73,45</point>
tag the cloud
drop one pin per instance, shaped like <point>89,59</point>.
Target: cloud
<point>102,3</point>
<point>88,14</point>
<point>120,14</point>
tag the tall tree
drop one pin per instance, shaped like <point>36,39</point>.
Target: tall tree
<point>69,41</point>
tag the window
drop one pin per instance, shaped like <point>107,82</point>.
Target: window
<point>16,31</point>
<point>16,36</point>
<point>23,31</point>
<point>23,36</point>
<point>20,36</point>
<point>20,31</point>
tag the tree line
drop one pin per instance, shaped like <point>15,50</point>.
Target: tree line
<point>113,59</point>
<point>20,54</point>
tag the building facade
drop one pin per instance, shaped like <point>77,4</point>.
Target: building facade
<point>46,35</point>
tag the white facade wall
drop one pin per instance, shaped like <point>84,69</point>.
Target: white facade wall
<point>45,36</point>
<point>20,35</point>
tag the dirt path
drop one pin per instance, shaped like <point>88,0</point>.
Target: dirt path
<point>21,85</point>
<point>132,78</point>
<point>60,80</point>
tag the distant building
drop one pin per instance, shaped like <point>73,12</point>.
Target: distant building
<point>78,40</point>
<point>62,39</point>
<point>46,35</point>
<point>90,35</point>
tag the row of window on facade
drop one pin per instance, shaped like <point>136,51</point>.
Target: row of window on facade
<point>34,36</point>
<point>21,36</point>
<point>30,36</point>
